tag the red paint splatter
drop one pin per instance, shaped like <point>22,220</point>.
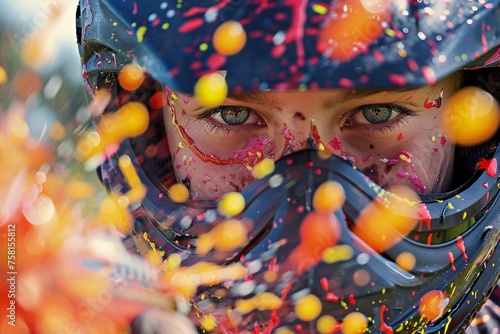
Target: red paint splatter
<point>400,136</point>
<point>383,326</point>
<point>436,103</point>
<point>346,83</point>
<point>452,261</point>
<point>134,10</point>
<point>330,296</point>
<point>461,246</point>
<point>216,61</point>
<point>424,216</point>
<point>489,165</point>
<point>324,283</point>
<point>352,300</point>
<point>191,25</point>
<point>443,140</point>
<point>378,56</point>
<point>397,79</point>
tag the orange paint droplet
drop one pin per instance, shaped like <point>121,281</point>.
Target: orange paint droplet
<point>229,38</point>
<point>211,89</point>
<point>131,120</point>
<point>131,77</point>
<point>354,323</point>
<point>352,27</point>
<point>432,305</point>
<point>406,261</point>
<point>471,116</point>
<point>318,233</point>
<point>229,235</point>
<point>308,307</point>
<point>386,220</point>
<point>178,193</point>
<point>3,76</point>
<point>57,131</point>
<point>329,197</point>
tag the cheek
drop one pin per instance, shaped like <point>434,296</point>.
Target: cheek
<point>207,181</point>
<point>204,179</point>
<point>423,165</point>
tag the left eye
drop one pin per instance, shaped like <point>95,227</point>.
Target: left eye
<point>378,114</point>
<point>375,114</point>
<point>235,115</point>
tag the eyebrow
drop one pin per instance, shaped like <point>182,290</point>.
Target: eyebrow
<point>349,95</point>
<point>344,95</point>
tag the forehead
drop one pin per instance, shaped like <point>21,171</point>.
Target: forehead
<point>338,95</point>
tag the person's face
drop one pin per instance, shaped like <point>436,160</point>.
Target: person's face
<point>394,137</point>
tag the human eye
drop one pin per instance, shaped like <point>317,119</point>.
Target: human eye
<point>230,118</point>
<point>378,117</point>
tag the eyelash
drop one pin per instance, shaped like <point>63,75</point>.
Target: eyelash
<point>390,125</point>
<point>215,128</point>
<point>386,126</point>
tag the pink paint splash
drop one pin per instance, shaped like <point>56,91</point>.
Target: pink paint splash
<point>335,144</point>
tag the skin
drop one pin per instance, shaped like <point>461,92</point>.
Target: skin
<point>407,147</point>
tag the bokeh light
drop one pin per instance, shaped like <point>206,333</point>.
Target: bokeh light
<point>470,116</point>
<point>432,305</point>
<point>354,323</point>
<point>211,89</point>
<point>229,38</point>
<point>328,197</point>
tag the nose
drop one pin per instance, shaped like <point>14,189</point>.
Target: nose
<point>306,138</point>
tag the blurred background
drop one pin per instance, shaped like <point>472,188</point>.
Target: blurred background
<point>39,62</point>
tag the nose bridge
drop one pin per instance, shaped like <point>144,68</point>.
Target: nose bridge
<point>305,124</point>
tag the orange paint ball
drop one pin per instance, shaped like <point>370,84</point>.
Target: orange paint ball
<point>229,235</point>
<point>131,120</point>
<point>229,38</point>
<point>387,219</point>
<point>406,261</point>
<point>320,230</point>
<point>131,77</point>
<point>329,196</point>
<point>354,323</point>
<point>471,116</point>
<point>432,305</point>
<point>352,27</point>
<point>178,193</point>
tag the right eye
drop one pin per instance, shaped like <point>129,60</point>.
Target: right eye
<point>228,117</point>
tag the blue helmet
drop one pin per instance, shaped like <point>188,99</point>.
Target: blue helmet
<point>390,45</point>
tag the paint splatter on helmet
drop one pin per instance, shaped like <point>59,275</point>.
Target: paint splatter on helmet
<point>289,45</point>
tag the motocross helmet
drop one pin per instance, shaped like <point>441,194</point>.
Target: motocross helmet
<point>389,45</point>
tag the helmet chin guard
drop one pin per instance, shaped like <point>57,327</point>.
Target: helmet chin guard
<point>453,243</point>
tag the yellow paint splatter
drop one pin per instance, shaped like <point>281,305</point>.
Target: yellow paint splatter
<point>140,33</point>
